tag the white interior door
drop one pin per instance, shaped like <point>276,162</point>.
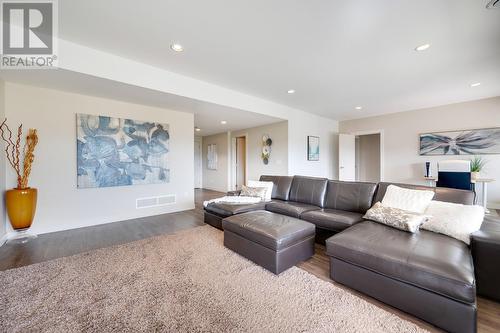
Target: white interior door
<point>347,157</point>
<point>197,164</point>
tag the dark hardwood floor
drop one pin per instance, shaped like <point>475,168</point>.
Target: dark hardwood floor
<point>66,243</point>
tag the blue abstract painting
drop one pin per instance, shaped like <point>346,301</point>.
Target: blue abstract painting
<point>119,152</point>
<point>468,142</point>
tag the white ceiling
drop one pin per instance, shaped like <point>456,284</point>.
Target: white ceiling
<point>207,116</point>
<point>337,54</point>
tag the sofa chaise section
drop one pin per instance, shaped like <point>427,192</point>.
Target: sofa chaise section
<point>215,212</point>
<point>426,274</point>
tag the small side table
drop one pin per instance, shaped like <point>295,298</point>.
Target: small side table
<point>431,181</point>
<point>484,190</point>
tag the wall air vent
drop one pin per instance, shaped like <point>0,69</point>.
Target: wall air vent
<point>158,201</point>
<point>493,4</point>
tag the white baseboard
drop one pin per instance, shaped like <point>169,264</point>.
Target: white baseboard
<point>494,205</point>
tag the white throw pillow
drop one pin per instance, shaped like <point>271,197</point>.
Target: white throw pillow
<point>267,185</point>
<point>395,217</point>
<point>411,200</point>
<point>454,220</point>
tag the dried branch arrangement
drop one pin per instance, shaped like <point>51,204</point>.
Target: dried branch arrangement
<point>13,152</point>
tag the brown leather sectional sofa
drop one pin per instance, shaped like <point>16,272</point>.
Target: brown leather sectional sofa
<point>431,276</point>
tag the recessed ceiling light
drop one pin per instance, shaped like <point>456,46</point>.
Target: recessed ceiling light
<point>197,129</point>
<point>223,122</point>
<point>477,84</point>
<point>358,107</point>
<point>177,47</point>
<point>422,47</point>
<point>291,91</point>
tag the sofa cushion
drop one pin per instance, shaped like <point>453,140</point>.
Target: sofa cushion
<point>282,185</point>
<point>308,190</point>
<point>273,231</point>
<point>332,219</point>
<point>290,208</point>
<point>225,209</point>
<point>430,261</point>
<point>349,196</point>
<point>442,194</point>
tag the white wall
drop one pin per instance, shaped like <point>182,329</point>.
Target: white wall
<point>3,218</point>
<point>61,205</point>
<point>301,125</point>
<point>402,162</point>
<point>81,59</point>
<point>278,162</point>
<point>217,180</point>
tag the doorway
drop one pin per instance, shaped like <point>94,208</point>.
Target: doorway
<point>361,156</point>
<point>197,162</point>
<point>367,158</point>
<point>240,162</point>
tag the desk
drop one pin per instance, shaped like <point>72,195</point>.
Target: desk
<point>484,187</point>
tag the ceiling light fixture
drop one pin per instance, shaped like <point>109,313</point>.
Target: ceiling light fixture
<point>422,47</point>
<point>177,47</point>
<point>358,107</point>
<point>223,122</point>
<point>477,84</point>
<point>197,129</point>
<point>291,91</point>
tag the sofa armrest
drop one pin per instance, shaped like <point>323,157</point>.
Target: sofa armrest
<point>233,193</point>
<point>485,247</point>
<point>489,232</point>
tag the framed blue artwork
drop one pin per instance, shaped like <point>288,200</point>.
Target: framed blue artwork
<point>119,152</point>
<point>466,142</point>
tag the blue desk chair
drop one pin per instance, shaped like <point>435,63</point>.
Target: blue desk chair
<point>455,174</point>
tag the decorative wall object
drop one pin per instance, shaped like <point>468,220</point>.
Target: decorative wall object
<point>313,148</point>
<point>20,201</point>
<point>266,148</point>
<point>212,157</point>
<point>467,142</point>
<point>427,169</point>
<point>118,152</point>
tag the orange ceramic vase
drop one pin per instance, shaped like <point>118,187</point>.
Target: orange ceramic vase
<point>21,207</point>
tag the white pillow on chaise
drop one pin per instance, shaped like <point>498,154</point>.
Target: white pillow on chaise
<point>415,201</point>
<point>454,220</point>
<point>267,185</point>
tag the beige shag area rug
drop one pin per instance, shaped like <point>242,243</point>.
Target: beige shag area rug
<point>185,282</point>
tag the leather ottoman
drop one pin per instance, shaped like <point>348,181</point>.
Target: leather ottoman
<point>273,241</point>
